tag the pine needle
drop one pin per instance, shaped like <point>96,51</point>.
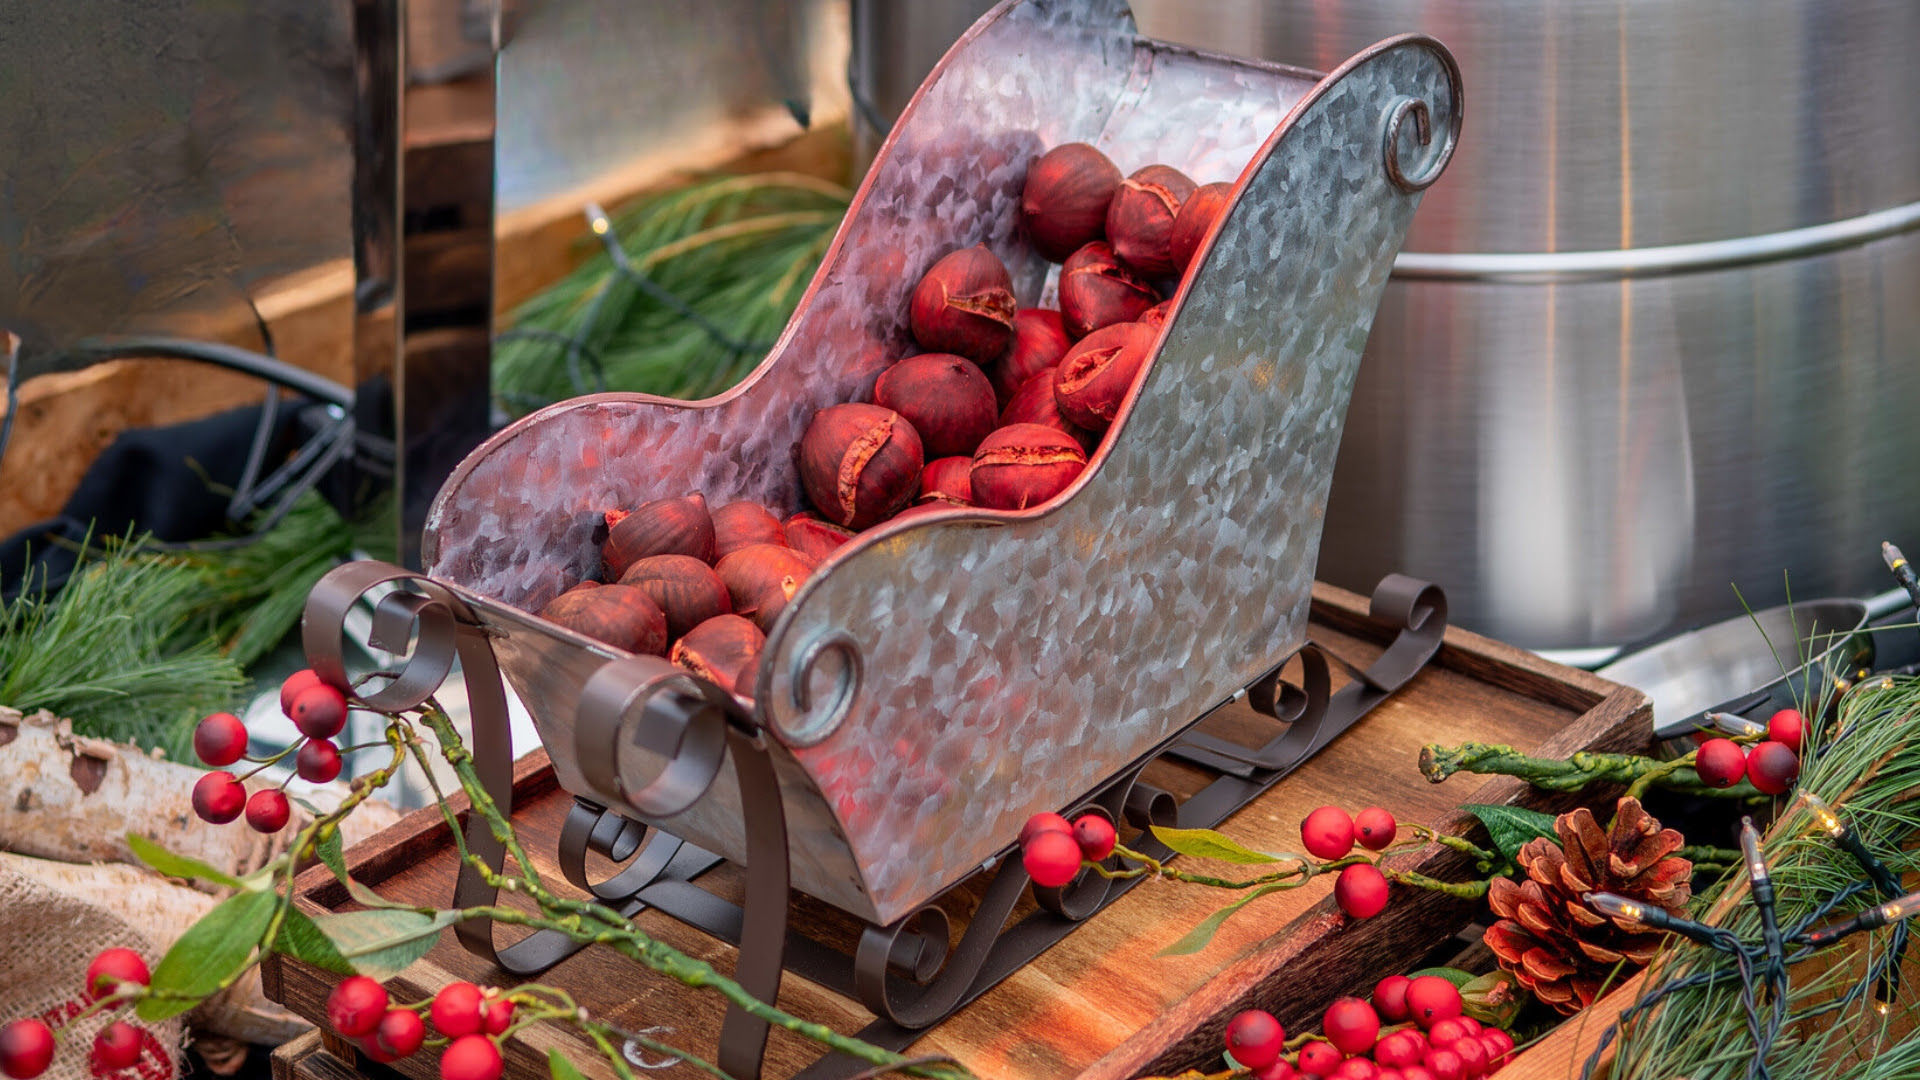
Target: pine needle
<point>731,256</point>
<point>253,595</point>
<point>118,651</point>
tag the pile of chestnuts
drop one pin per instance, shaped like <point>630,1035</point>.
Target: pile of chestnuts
<point>1002,411</point>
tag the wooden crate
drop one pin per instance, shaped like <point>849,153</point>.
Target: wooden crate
<point>1100,1003</point>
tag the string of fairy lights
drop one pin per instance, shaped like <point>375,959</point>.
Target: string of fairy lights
<point>1763,967</point>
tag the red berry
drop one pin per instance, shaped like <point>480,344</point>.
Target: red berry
<point>1448,1031</point>
<point>218,798</point>
<point>1390,998</point>
<point>356,1006</point>
<point>456,1010</point>
<point>1052,859</point>
<point>116,1047</point>
<point>295,683</point>
<point>499,1015</point>
<point>1388,1074</point>
<point>26,1049</point>
<point>1498,1046</point>
<point>1468,1022</point>
<point>1445,1065</point>
<point>1357,1069</point>
<point>268,811</point>
<point>1375,828</point>
<point>1319,1059</point>
<point>1279,1070</point>
<point>1416,1072</point>
<point>1041,823</point>
<point>1473,1056</point>
<point>1361,890</point>
<point>1351,1025</point>
<point>1095,835</point>
<point>1772,767</point>
<point>319,711</point>
<point>1255,1038</point>
<point>1496,1037</point>
<point>1327,833</point>
<point>1787,726</point>
<point>1397,1050</point>
<point>113,968</point>
<point>318,761</point>
<point>220,740</point>
<point>470,1057</point>
<point>1720,762</point>
<point>1431,999</point>
<point>400,1033</point>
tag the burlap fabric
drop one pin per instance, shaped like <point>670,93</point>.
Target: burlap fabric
<point>47,938</point>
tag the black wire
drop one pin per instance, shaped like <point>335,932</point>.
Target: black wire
<point>13,395</point>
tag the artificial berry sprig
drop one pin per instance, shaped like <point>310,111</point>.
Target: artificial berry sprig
<point>465,1023</point>
<point>114,980</point>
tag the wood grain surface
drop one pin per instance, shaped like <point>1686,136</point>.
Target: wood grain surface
<point>1100,1003</point>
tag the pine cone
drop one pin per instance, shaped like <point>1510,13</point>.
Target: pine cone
<point>1556,945</point>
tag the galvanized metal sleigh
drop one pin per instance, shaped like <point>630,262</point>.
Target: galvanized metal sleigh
<point>938,680</point>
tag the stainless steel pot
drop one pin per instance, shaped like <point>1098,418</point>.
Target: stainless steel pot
<point>1657,330</point>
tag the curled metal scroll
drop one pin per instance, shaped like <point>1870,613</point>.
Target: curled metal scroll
<point>814,729</point>
<point>649,703</point>
<point>1423,132</point>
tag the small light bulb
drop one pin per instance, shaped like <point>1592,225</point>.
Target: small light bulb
<point>1823,813</point>
<point>1617,906</point>
<point>1900,908</point>
<point>1882,1008</point>
<point>1737,726</point>
<point>1750,848</point>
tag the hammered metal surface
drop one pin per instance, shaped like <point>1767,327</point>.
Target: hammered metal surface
<point>1013,661</point>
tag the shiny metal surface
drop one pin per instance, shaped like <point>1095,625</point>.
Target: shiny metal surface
<point>1745,661</point>
<point>1655,331</point>
<point>165,159</point>
<point>1080,636</point>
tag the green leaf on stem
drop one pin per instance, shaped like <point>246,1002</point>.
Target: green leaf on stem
<point>212,951</point>
<point>1207,844</point>
<point>561,1068</point>
<point>302,940</point>
<point>380,944</point>
<point>329,850</point>
<point>1453,975</point>
<point>1198,937</point>
<point>1512,826</point>
<point>177,866</point>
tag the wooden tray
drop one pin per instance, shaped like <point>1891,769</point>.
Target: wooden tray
<point>1100,1003</point>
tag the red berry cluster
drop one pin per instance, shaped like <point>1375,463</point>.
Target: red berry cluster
<point>1051,847</point>
<point>1329,833</point>
<point>1771,766</point>
<point>26,1046</point>
<point>317,708</point>
<point>1429,1038</point>
<point>471,1019</point>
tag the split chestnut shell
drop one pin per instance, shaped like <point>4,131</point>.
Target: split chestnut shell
<point>964,305</point>
<point>1064,202</point>
<point>1096,291</point>
<point>1095,377</point>
<point>859,463</point>
<point>946,398</point>
<point>1024,465</point>
<point>686,589</point>
<point>617,615</point>
<point>1140,219</point>
<point>724,650</point>
<point>679,526</point>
